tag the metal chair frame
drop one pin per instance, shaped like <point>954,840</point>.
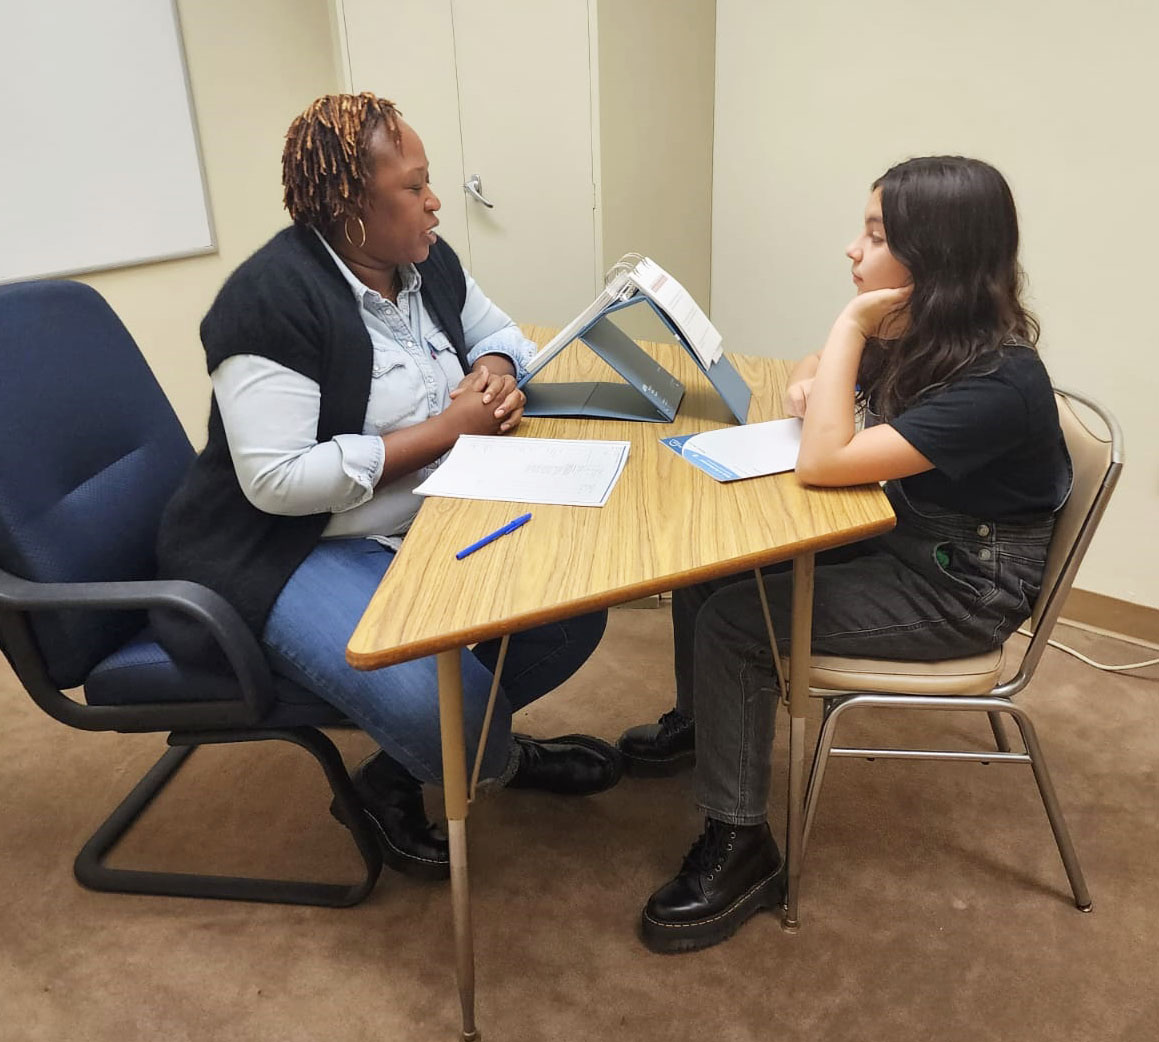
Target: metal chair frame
<point>998,702</point>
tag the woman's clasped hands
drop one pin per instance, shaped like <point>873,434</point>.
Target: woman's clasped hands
<point>486,402</point>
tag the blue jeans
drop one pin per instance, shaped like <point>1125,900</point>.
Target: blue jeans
<point>940,585</point>
<point>398,706</point>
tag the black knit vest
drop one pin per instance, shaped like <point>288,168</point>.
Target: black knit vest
<point>291,304</point>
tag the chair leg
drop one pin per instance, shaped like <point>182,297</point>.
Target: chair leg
<point>1033,756</point>
<point>1000,738</point>
<point>825,737</point>
<point>92,872</point>
<point>1070,861</point>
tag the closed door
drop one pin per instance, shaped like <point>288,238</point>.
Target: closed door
<point>500,90</point>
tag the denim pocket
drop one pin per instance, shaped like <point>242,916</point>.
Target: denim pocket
<point>445,356</point>
<point>1030,595</point>
<point>954,564</point>
<point>438,342</point>
<point>396,388</point>
<point>387,358</point>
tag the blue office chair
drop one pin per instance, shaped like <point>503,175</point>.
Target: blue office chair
<point>90,452</point>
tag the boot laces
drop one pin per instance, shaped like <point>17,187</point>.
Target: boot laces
<point>673,722</point>
<point>711,850</point>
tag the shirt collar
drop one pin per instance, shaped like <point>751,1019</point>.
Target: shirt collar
<point>408,274</point>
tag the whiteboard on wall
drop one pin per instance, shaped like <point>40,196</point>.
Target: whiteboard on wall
<point>99,160</point>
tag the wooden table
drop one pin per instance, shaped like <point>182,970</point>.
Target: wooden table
<point>666,525</point>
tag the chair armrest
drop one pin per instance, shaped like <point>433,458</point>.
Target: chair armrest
<point>208,607</point>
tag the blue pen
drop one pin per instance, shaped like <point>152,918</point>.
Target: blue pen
<point>509,527</point>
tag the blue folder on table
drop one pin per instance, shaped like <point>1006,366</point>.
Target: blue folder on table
<point>649,392</point>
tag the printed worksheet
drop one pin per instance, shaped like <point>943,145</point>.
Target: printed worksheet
<point>568,472</point>
<point>748,451</point>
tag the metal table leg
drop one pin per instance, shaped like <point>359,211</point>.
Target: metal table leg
<point>455,796</point>
<point>800,655</point>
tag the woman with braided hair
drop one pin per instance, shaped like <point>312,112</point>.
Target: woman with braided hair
<point>347,355</point>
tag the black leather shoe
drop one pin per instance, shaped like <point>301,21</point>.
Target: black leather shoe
<point>571,765</point>
<point>731,872</point>
<point>393,801</point>
<point>660,749</point>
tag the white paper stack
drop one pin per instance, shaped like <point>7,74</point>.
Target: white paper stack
<point>635,274</point>
<point>529,470</point>
<point>653,281</point>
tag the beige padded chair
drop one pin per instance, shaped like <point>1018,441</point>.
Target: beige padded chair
<point>974,684</point>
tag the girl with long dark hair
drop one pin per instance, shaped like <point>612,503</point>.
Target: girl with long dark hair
<point>960,423</point>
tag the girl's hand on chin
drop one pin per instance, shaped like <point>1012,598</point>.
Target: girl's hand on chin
<point>877,313</point>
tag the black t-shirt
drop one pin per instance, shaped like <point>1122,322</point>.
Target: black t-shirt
<point>994,441</point>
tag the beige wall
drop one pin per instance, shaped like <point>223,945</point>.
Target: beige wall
<point>253,66</point>
<point>812,102</point>
<point>815,100</point>
<point>656,69</point>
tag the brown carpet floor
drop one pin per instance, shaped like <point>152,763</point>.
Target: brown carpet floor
<point>934,903</point>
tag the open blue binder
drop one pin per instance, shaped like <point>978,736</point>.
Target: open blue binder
<point>649,393</point>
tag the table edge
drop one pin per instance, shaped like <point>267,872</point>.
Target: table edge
<point>461,638</point>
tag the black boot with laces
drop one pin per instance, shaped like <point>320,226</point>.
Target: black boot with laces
<point>659,749</point>
<point>392,799</point>
<point>731,873</point>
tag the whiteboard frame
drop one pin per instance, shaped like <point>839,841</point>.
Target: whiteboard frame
<point>197,251</point>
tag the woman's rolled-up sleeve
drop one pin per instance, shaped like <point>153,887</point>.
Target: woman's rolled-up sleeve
<point>270,415</point>
<point>488,330</point>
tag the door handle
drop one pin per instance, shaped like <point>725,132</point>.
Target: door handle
<point>474,187</point>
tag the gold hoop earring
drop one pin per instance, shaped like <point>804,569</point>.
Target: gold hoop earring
<point>346,232</point>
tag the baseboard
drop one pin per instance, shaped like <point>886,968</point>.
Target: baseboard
<point>1115,616</point>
